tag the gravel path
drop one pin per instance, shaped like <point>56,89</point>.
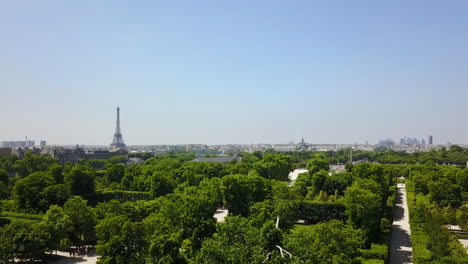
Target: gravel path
<point>64,258</point>
<point>400,247</point>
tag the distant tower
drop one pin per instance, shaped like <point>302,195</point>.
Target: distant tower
<point>118,142</point>
<point>429,140</point>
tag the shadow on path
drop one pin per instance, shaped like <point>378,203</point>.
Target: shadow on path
<point>64,258</point>
<point>400,247</point>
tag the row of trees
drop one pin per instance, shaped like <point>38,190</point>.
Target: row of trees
<point>435,198</point>
<point>454,155</point>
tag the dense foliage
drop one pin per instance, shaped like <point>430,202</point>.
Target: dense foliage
<point>161,211</point>
<point>435,197</point>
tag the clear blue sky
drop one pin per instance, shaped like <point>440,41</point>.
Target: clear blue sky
<point>219,72</point>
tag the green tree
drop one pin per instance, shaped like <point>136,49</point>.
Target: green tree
<point>56,194</point>
<point>58,226</point>
<point>165,240</point>
<point>4,192</point>
<point>83,220</point>
<point>368,171</point>
<point>121,241</point>
<point>317,164</point>
<point>319,179</point>
<point>7,248</point>
<point>109,209</point>
<point>286,204</point>
<point>363,208</point>
<point>462,179</point>
<point>236,241</point>
<point>27,191</point>
<point>4,177</point>
<point>462,217</point>
<point>261,212</point>
<point>275,167</point>
<point>23,241</point>
<point>212,188</point>
<point>325,243</point>
<point>115,173</point>
<point>338,182</point>
<point>80,181</point>
<point>420,183</point>
<point>193,215</point>
<point>444,193</point>
<point>161,184</point>
<point>4,184</point>
<point>240,191</point>
<point>31,163</point>
<point>56,171</point>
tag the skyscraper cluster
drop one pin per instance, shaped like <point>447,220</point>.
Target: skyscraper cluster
<point>409,141</point>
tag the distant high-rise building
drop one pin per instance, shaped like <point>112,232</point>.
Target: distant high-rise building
<point>43,143</point>
<point>429,140</point>
<point>118,142</point>
<point>386,143</point>
<point>409,141</point>
<point>423,142</point>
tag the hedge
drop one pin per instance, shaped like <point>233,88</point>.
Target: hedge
<point>315,212</point>
<point>120,195</point>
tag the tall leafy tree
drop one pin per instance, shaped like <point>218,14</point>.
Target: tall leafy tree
<point>363,208</point>
<point>317,164</point>
<point>161,184</point>
<point>165,240</point>
<point>275,167</point>
<point>240,191</point>
<point>80,180</point>
<point>121,241</point>
<point>27,191</point>
<point>56,171</point>
<point>444,193</point>
<point>236,241</point>
<point>58,226</point>
<point>4,177</point>
<point>326,243</point>
<point>115,173</point>
<point>22,240</point>
<point>56,194</point>
<point>83,220</point>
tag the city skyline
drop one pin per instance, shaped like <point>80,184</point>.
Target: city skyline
<point>118,137</point>
<point>215,72</point>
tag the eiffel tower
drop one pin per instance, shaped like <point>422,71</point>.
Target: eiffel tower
<point>118,142</point>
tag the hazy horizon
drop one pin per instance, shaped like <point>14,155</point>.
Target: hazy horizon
<point>244,72</point>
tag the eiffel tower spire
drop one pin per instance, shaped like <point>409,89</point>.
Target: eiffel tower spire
<point>118,142</point>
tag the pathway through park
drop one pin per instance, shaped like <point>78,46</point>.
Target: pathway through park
<point>401,250</point>
<point>64,258</point>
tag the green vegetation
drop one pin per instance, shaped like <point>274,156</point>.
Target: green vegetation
<point>434,200</point>
<point>161,211</point>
